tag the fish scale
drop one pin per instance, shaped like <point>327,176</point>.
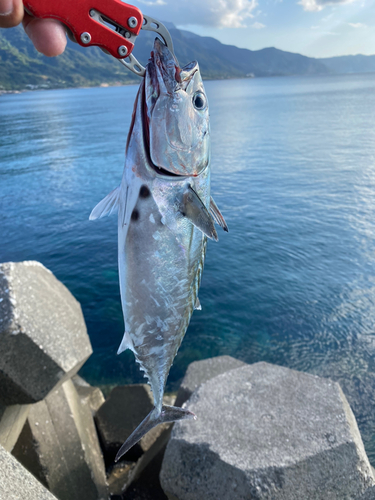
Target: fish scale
<point>165,214</point>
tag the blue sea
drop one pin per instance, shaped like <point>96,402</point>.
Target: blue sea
<point>293,171</point>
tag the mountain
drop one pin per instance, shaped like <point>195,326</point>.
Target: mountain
<point>242,62</point>
<point>350,64</point>
<point>21,66</point>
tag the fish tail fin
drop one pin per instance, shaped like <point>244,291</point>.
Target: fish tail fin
<point>154,418</point>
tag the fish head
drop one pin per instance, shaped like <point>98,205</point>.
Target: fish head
<point>176,117</point>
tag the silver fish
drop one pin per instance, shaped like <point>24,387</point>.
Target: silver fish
<point>165,215</point>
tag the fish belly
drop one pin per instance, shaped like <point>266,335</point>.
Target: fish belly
<point>162,274</point>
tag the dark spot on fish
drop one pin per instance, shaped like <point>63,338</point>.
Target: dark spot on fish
<point>144,192</point>
<point>135,215</point>
<point>183,214</point>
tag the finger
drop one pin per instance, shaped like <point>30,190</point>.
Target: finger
<point>47,35</point>
<point>11,13</point>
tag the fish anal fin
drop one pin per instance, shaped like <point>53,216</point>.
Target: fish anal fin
<point>126,343</point>
<point>107,206</point>
<point>197,305</point>
<point>217,215</point>
<point>193,208</point>
<point>154,418</point>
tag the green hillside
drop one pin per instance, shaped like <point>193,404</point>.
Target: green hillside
<point>22,67</point>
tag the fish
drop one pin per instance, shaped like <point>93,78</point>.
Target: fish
<point>165,215</point>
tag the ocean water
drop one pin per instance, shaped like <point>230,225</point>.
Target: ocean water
<point>293,171</point>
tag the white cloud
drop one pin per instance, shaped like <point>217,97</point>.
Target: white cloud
<point>357,25</point>
<point>258,26</point>
<point>214,13</point>
<point>155,2</point>
<point>316,5</point>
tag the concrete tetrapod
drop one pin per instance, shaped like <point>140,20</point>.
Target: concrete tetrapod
<point>201,371</point>
<point>117,418</point>
<point>266,432</point>
<point>17,483</point>
<point>12,420</point>
<point>60,446</point>
<point>89,395</point>
<point>43,337</point>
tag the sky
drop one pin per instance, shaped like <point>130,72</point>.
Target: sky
<point>315,28</point>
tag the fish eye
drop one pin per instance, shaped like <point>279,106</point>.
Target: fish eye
<point>199,101</point>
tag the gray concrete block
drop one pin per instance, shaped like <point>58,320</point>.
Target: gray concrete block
<point>43,337</point>
<point>12,420</point>
<point>368,495</point>
<point>357,380</point>
<point>199,372</point>
<point>120,477</point>
<point>91,396</point>
<point>59,445</point>
<point>16,483</point>
<point>267,432</point>
<point>123,411</point>
<point>152,459</point>
<point>143,482</point>
<point>140,480</point>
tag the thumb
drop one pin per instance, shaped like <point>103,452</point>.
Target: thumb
<point>47,35</point>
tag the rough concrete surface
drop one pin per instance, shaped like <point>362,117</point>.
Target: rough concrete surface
<point>266,432</point>
<point>16,483</point>
<point>357,380</point>
<point>43,337</point>
<point>12,420</point>
<point>368,495</point>
<point>151,460</point>
<point>123,411</point>
<point>199,372</point>
<point>91,396</point>
<point>119,477</point>
<point>60,447</point>
<point>140,479</point>
<point>144,481</point>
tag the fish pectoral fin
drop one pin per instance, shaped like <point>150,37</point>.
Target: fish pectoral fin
<point>217,215</point>
<point>193,208</point>
<point>197,305</point>
<point>126,343</point>
<point>154,418</point>
<point>107,206</point>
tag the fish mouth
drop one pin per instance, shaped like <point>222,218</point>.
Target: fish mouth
<point>164,71</point>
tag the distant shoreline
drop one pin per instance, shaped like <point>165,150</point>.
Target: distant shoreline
<point>107,85</point>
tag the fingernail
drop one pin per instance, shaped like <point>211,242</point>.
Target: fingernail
<point>6,7</point>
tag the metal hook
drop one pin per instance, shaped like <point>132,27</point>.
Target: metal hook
<point>133,65</point>
<point>149,24</point>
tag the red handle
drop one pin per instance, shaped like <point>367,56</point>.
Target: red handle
<point>75,14</point>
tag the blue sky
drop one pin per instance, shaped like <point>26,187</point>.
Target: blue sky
<point>316,28</point>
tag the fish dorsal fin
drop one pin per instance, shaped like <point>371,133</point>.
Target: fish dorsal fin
<point>126,343</point>
<point>197,305</point>
<point>193,208</point>
<point>216,214</point>
<point>107,206</point>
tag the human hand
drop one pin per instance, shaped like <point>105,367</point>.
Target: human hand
<point>47,35</point>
